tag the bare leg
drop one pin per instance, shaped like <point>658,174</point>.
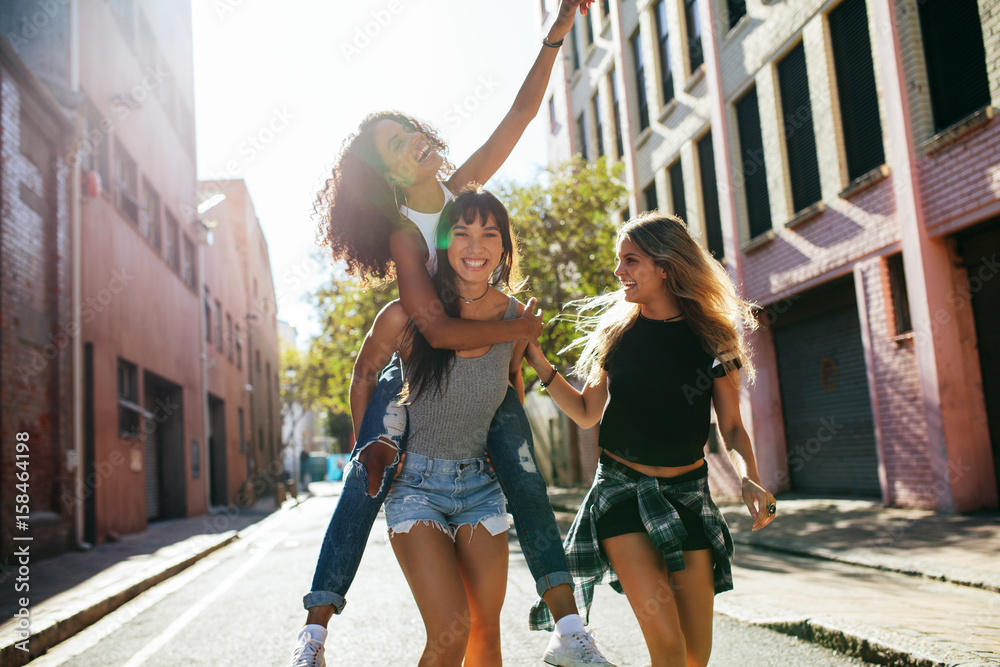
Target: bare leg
<point>694,591</point>
<point>427,556</point>
<point>560,601</point>
<point>482,561</point>
<point>646,581</point>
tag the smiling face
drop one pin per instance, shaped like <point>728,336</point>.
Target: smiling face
<point>408,156</point>
<point>475,249</point>
<point>643,281</point>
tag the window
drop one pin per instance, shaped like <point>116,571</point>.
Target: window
<point>737,9</point>
<point>663,50</point>
<point>218,325</point>
<point>640,80</point>
<point>752,164</point>
<point>239,348</point>
<point>598,123</point>
<point>149,216</point>
<point>229,336</point>
<point>208,316</point>
<point>243,434</point>
<point>800,139</point>
<point>588,21</point>
<point>900,301</point>
<point>128,399</point>
<point>606,9</point>
<point>710,197</point>
<point>693,21</point>
<point>956,59</point>
<point>676,176</point>
<point>189,270</point>
<point>616,113</point>
<point>650,195</point>
<point>553,125</point>
<point>855,72</point>
<point>171,249</point>
<point>126,184</point>
<point>581,133</point>
<point>258,361</point>
<point>124,11</point>
<point>575,48</point>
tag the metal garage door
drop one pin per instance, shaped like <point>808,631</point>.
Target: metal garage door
<point>824,394</point>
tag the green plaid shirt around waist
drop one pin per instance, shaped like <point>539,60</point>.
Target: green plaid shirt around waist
<point>589,564</point>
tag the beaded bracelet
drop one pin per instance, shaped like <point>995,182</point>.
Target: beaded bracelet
<point>552,377</point>
<point>554,45</point>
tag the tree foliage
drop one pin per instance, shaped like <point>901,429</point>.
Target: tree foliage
<point>566,231</point>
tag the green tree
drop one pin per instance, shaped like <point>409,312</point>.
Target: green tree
<point>566,231</point>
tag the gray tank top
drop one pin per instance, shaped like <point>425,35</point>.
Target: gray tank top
<point>453,423</point>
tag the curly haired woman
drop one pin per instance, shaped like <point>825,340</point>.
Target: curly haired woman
<point>380,210</point>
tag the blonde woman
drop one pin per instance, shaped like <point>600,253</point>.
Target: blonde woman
<point>648,524</point>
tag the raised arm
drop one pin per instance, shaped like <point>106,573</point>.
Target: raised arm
<point>382,340</point>
<point>484,162</point>
<point>420,301</point>
<point>584,407</point>
<point>726,399</point>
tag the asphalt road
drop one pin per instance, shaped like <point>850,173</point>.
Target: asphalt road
<point>242,606</point>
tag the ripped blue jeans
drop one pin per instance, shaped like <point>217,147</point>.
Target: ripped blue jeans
<point>511,450</point>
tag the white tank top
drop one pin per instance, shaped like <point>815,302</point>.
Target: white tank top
<point>427,224</point>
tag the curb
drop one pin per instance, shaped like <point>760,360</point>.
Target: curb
<point>51,627</point>
<point>957,576</point>
<point>57,626</point>
<point>871,643</point>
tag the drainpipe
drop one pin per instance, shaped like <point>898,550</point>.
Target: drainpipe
<point>75,284</point>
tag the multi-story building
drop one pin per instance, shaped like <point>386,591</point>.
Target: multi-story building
<point>241,338</point>
<point>132,403</point>
<point>841,158</point>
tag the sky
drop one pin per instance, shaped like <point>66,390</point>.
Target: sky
<point>279,85</point>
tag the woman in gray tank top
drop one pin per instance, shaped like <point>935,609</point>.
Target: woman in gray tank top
<point>446,514</point>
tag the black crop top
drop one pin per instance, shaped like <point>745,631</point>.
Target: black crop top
<point>660,392</point>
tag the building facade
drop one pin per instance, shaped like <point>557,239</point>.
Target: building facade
<point>241,339</point>
<point>841,158</point>
<point>138,407</point>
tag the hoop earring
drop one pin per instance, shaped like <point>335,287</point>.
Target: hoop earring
<point>395,199</point>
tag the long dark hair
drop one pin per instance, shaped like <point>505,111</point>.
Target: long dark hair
<point>357,207</point>
<point>428,366</point>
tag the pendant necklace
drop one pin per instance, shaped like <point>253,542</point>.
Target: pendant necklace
<point>478,297</point>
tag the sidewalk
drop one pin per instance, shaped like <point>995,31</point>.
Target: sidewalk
<point>74,590</point>
<point>892,586</point>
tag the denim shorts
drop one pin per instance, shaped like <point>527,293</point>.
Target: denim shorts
<point>447,494</point>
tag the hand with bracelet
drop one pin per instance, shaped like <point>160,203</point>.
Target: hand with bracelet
<point>564,21</point>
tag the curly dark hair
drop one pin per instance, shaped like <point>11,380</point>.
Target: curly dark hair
<point>356,207</point>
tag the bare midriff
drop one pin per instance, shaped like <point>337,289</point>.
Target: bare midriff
<point>658,471</point>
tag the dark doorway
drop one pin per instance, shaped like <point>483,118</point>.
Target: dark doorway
<point>217,451</point>
<point>980,249</point>
<point>829,427</point>
<point>166,474</point>
<point>89,492</point>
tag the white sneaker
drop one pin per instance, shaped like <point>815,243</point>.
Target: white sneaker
<point>309,652</point>
<point>576,649</point>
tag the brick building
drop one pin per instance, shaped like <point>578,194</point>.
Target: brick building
<point>112,296</point>
<point>35,308</point>
<point>841,158</point>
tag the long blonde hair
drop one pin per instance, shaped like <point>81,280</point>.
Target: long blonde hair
<point>705,293</point>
